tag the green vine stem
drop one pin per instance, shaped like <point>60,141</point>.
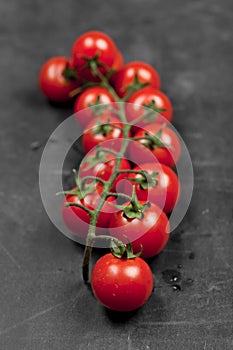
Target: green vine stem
<point>107,185</point>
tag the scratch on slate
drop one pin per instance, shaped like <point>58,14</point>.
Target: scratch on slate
<point>36,315</point>
<point>184,323</point>
<point>129,342</point>
<point>10,256</point>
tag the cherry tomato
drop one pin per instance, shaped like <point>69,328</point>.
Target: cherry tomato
<point>102,164</point>
<point>93,96</point>
<point>162,186</point>
<point>164,146</point>
<point>150,233</point>
<point>57,79</point>
<point>93,45</point>
<point>121,284</point>
<point>134,74</point>
<point>118,61</point>
<point>102,129</point>
<point>152,99</point>
<point>78,220</point>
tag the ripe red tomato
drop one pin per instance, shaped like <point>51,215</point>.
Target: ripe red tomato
<point>118,61</point>
<point>102,164</point>
<point>52,81</point>
<point>162,186</point>
<point>78,220</point>
<point>150,233</point>
<point>150,98</point>
<point>100,130</point>
<point>93,96</point>
<point>164,146</point>
<point>121,284</point>
<point>134,74</point>
<point>93,45</point>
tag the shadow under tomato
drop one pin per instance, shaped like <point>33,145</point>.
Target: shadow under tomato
<point>119,317</point>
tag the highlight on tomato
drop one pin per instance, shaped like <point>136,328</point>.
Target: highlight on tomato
<point>149,104</point>
<point>155,143</point>
<point>134,76</point>
<point>158,183</point>
<point>102,129</point>
<point>93,102</point>
<point>93,50</point>
<point>58,78</point>
<point>122,284</point>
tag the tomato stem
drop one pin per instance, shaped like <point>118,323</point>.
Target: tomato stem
<point>106,150</point>
<point>90,212</point>
<point>108,184</point>
<point>89,177</point>
<point>119,194</point>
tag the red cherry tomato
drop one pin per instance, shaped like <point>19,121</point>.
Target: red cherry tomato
<point>162,186</point>
<point>150,233</point>
<point>93,45</point>
<point>148,99</point>
<point>102,129</point>
<point>93,96</point>
<point>121,284</point>
<point>78,220</point>
<point>102,164</point>
<point>53,83</point>
<point>144,151</point>
<point>118,61</point>
<point>133,74</point>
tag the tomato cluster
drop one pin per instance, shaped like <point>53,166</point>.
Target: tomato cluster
<point>127,184</point>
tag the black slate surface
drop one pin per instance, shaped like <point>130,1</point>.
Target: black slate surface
<point>44,303</point>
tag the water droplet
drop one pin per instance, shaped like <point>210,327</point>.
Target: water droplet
<point>179,266</point>
<point>170,276</point>
<point>174,279</point>
<point>176,287</point>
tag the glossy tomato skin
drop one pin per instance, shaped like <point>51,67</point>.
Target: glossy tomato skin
<point>51,81</point>
<point>144,96</point>
<point>150,233</point>
<point>126,77</point>
<point>87,46</point>
<point>88,98</point>
<point>118,61</point>
<point>165,193</point>
<point>78,220</point>
<point>140,153</point>
<point>104,167</point>
<point>121,284</point>
<point>112,139</point>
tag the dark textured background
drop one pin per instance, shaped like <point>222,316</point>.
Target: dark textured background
<point>44,304</point>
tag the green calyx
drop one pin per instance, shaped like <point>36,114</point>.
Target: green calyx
<point>136,85</point>
<point>103,129</point>
<point>93,63</point>
<point>146,180</point>
<point>152,105</point>
<point>154,141</point>
<point>152,111</point>
<point>97,107</point>
<point>122,251</point>
<point>70,74</point>
<point>134,210</point>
